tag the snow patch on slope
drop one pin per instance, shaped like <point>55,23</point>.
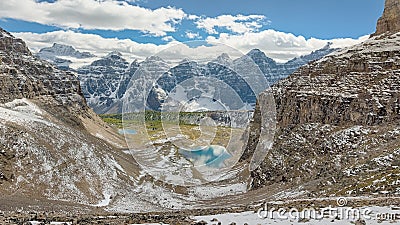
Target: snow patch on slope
<point>23,112</point>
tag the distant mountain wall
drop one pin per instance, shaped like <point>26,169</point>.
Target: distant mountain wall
<point>105,81</point>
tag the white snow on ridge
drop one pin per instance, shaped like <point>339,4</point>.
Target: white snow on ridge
<point>375,44</point>
<point>78,63</point>
<point>150,224</point>
<point>23,105</point>
<point>55,223</point>
<point>105,202</point>
<point>210,192</point>
<point>60,223</point>
<point>22,111</point>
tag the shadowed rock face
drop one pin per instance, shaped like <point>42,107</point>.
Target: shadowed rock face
<point>23,76</point>
<point>390,20</point>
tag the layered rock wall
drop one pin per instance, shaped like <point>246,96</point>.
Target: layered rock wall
<point>24,76</point>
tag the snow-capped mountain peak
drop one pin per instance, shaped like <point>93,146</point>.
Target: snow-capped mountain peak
<point>224,59</point>
<point>64,50</point>
<point>63,56</point>
<point>114,54</point>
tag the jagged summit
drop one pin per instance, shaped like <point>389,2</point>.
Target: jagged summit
<point>224,56</point>
<point>315,55</point>
<point>256,53</point>
<point>113,58</point>
<point>114,53</point>
<point>186,60</point>
<point>11,45</point>
<point>224,59</point>
<point>390,20</point>
<point>63,50</point>
<point>260,58</point>
<point>63,56</point>
<point>103,80</point>
<point>154,59</point>
<point>327,46</point>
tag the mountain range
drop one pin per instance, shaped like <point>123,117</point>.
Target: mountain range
<point>337,135</point>
<point>105,81</point>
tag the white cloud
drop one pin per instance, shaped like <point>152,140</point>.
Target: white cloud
<point>193,17</point>
<point>92,14</point>
<point>237,24</point>
<point>91,43</point>
<point>173,51</point>
<point>279,45</point>
<point>168,38</point>
<point>192,35</point>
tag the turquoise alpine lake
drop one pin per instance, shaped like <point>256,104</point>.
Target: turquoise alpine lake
<point>127,131</point>
<point>211,156</point>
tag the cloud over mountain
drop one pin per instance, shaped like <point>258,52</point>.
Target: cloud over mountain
<point>138,31</point>
<point>278,45</point>
<point>237,24</point>
<point>92,14</point>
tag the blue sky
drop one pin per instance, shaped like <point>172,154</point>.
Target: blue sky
<point>311,18</point>
<point>294,27</point>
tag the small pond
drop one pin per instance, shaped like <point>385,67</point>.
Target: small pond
<point>211,156</point>
<point>127,131</point>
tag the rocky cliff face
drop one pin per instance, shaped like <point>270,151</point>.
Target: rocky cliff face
<point>52,146</point>
<point>338,123</point>
<point>22,76</point>
<point>390,21</point>
<point>104,82</point>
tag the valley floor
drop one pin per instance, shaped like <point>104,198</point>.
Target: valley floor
<point>380,210</point>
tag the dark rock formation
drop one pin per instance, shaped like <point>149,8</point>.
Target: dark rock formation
<point>24,76</point>
<point>390,21</point>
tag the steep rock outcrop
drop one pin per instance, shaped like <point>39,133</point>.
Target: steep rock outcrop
<point>390,20</point>
<point>23,76</point>
<point>52,145</point>
<point>328,111</point>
